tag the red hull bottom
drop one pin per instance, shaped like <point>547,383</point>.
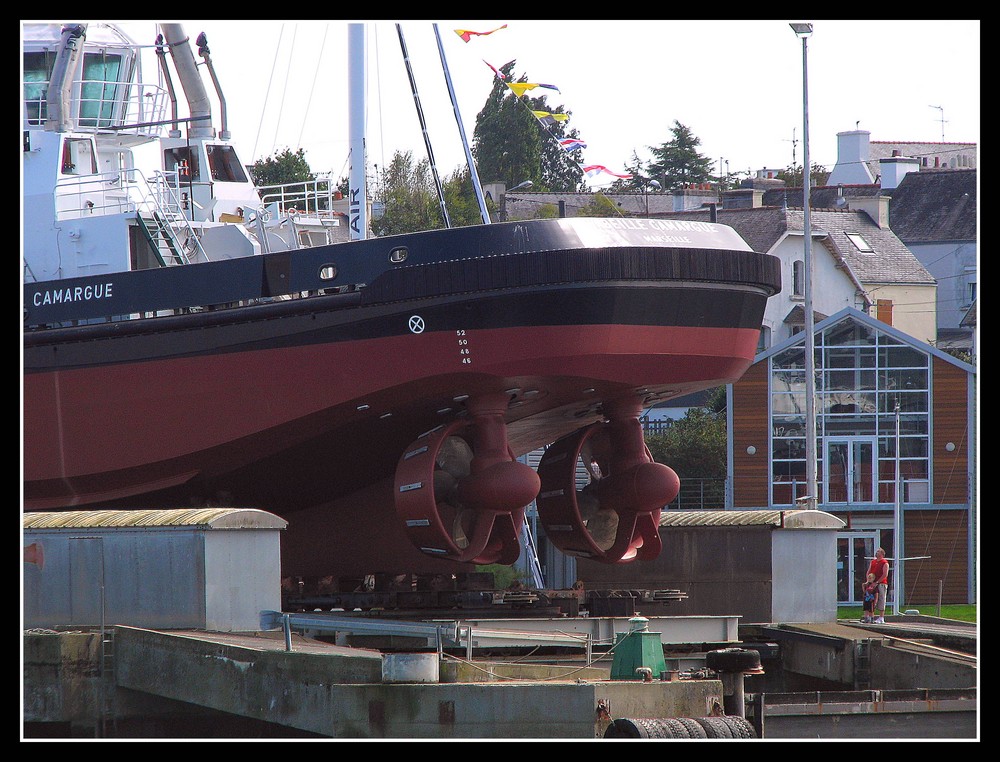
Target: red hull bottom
<point>330,540</point>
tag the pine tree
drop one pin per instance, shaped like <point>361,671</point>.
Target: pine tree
<point>677,163</point>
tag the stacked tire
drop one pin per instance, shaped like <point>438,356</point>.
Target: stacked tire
<point>681,727</point>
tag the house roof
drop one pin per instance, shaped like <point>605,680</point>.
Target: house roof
<point>820,197</point>
<point>935,205</point>
<point>694,399</point>
<point>797,316</point>
<point>885,149</point>
<point>521,205</point>
<point>764,227</point>
<point>954,338</point>
<point>969,319</point>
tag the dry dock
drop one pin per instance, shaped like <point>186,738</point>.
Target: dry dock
<point>136,682</point>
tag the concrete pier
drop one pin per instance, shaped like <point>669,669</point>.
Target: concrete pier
<point>338,692</point>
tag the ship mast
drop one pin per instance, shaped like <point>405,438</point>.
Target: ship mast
<point>357,191</point>
<point>484,212</point>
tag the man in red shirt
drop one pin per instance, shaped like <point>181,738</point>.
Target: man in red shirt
<point>879,571</point>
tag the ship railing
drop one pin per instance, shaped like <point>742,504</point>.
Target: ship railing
<point>311,197</point>
<point>85,196</point>
<point>307,208</point>
<point>129,192</point>
<point>103,106</point>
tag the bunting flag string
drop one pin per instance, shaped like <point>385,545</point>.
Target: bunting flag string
<point>468,34</point>
<point>593,170</point>
<point>545,118</point>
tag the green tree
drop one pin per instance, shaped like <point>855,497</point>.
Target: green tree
<point>677,162</point>
<point>460,199</point>
<point>286,166</point>
<point>792,175</point>
<point>511,146</point>
<point>598,206</point>
<point>695,446</point>
<point>408,191</point>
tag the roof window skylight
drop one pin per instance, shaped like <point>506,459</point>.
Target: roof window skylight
<point>862,245</point>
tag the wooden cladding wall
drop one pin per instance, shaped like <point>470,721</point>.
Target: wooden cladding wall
<point>944,536</point>
<point>950,410</point>
<point>751,427</point>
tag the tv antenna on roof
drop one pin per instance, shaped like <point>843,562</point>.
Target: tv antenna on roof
<point>794,143</point>
<point>941,109</point>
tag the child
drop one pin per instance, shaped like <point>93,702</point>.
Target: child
<point>869,600</point>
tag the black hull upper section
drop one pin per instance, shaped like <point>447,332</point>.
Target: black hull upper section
<point>397,268</point>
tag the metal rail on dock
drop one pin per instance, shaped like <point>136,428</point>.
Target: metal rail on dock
<point>440,634</point>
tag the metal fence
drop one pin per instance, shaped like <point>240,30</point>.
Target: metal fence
<point>697,494</point>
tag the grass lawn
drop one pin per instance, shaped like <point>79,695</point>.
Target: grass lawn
<point>965,613</point>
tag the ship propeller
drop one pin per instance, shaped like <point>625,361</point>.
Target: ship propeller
<point>602,493</point>
<point>460,491</point>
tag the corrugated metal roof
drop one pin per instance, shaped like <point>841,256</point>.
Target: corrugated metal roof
<point>210,518</point>
<point>786,519</point>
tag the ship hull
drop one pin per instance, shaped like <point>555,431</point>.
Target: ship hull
<point>303,407</point>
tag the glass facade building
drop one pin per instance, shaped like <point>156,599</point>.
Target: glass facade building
<point>872,407</point>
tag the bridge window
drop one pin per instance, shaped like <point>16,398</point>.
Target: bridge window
<point>99,89</point>
<point>225,165</point>
<point>78,157</point>
<point>37,71</point>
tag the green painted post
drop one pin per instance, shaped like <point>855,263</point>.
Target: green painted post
<point>637,649</point>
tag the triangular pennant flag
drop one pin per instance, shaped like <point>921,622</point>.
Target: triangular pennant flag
<point>496,71</point>
<point>467,34</point>
<point>520,88</point>
<point>548,118</point>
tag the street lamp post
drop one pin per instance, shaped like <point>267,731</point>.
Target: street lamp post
<point>645,193</point>
<point>803,32</point>
<point>503,203</point>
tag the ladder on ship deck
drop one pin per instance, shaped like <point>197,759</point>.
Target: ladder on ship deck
<point>161,237</point>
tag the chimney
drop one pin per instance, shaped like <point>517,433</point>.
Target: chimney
<point>876,207</point>
<point>694,196</point>
<point>743,198</point>
<point>852,159</point>
<point>894,169</point>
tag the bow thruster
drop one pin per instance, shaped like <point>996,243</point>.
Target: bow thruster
<point>460,491</point>
<point>614,517</point>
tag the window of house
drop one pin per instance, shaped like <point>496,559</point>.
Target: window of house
<point>865,382</point>
<point>860,243</point>
<point>798,278</point>
<point>970,286</point>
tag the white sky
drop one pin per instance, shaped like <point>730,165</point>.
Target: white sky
<point>736,84</point>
